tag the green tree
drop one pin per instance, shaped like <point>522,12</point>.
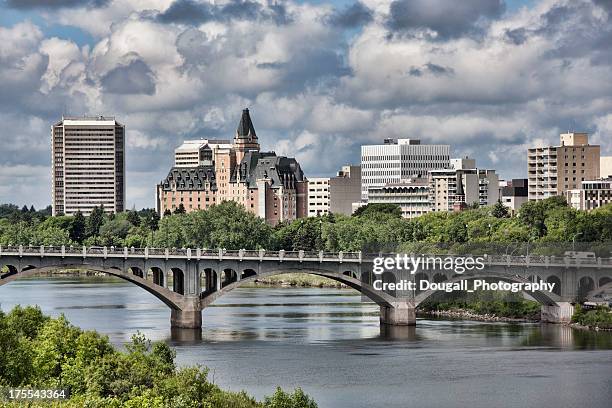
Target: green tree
<point>282,399</point>
<point>377,208</point>
<point>78,227</point>
<point>95,221</point>
<point>133,218</point>
<point>180,209</point>
<point>499,210</point>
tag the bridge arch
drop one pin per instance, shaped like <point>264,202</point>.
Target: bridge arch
<point>543,297</point>
<point>178,280</point>
<point>382,299</point>
<point>169,298</point>
<point>10,270</point>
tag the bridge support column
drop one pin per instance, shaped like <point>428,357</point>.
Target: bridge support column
<point>562,312</point>
<point>188,317</point>
<point>398,314</point>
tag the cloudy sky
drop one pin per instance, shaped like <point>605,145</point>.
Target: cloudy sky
<point>489,77</point>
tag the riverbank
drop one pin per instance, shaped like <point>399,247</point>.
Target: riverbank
<point>464,314</point>
<point>299,280</point>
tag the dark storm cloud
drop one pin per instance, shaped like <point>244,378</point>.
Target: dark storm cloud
<point>352,16</point>
<point>195,12</point>
<point>53,4</point>
<point>448,18</point>
<point>579,32</point>
<point>134,78</point>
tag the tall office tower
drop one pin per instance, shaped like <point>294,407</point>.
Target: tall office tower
<point>87,165</point>
<point>398,160</point>
<point>553,170</point>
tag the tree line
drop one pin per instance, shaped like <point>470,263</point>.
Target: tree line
<point>373,228</point>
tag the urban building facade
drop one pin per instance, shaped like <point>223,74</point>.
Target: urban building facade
<point>270,186</point>
<point>412,196</point>
<point>514,194</point>
<point>398,160</point>
<point>344,190</point>
<point>87,165</point>
<point>462,185</point>
<point>553,170</point>
<point>318,196</point>
<point>194,153</point>
<point>591,195</point>
<point>605,167</point>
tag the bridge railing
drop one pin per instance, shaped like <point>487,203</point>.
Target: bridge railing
<point>31,250</point>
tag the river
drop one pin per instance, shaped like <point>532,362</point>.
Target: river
<point>330,343</point>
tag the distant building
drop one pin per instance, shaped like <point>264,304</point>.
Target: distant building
<point>318,196</point>
<point>553,170</point>
<point>462,185</point>
<point>412,196</point>
<point>270,186</point>
<point>592,194</point>
<point>397,160</point>
<point>514,194</point>
<point>605,167</point>
<point>194,153</point>
<point>344,190</point>
<point>87,165</point>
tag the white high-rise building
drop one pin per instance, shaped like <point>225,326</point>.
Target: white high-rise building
<point>318,196</point>
<point>87,165</point>
<point>398,160</point>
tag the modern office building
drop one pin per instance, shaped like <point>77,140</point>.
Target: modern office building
<point>412,196</point>
<point>270,186</point>
<point>87,165</point>
<point>605,167</point>
<point>462,185</point>
<point>553,170</point>
<point>318,196</point>
<point>514,194</point>
<point>397,160</point>
<point>344,190</point>
<point>591,195</point>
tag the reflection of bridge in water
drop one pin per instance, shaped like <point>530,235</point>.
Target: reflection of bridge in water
<point>188,280</point>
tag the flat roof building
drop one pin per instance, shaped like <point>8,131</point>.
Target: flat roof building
<point>553,170</point>
<point>87,165</point>
<point>398,160</point>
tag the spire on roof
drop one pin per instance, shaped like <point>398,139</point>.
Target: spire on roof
<point>245,127</point>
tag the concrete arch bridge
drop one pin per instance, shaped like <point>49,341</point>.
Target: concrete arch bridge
<point>188,280</point>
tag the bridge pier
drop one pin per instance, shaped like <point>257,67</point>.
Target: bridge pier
<point>401,313</point>
<point>186,319</point>
<point>562,312</point>
<point>189,316</point>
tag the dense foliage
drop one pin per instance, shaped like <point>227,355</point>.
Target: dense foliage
<point>373,228</point>
<point>600,317</point>
<point>500,304</point>
<point>40,352</point>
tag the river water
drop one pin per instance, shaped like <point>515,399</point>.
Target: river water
<point>330,343</point>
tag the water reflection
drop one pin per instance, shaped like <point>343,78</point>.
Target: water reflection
<point>332,345</point>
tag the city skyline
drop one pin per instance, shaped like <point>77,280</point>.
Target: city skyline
<point>170,76</point>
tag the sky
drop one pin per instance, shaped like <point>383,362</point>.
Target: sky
<point>321,78</point>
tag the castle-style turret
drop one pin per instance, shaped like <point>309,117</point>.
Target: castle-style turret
<point>245,139</point>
